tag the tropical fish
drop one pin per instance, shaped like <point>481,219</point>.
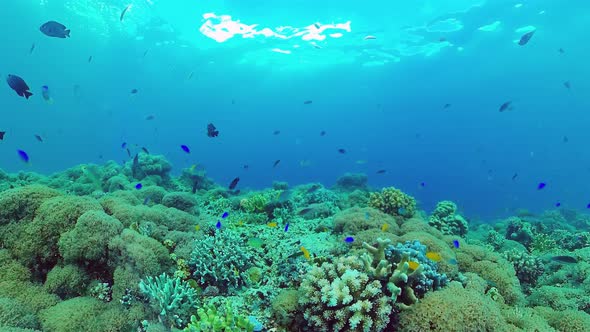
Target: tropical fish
<point>323,133</point>
<point>433,256</point>
<point>212,131</point>
<point>224,215</point>
<point>413,265</point>
<point>341,151</point>
<point>255,242</point>
<point>134,91</point>
<point>90,59</point>
<point>218,225</point>
<point>144,149</point>
<point>456,243</point>
<point>23,155</point>
<point>506,106</point>
<point>304,211</point>
<point>150,117</point>
<point>54,29</point>
<point>526,38</point>
<point>305,253</point>
<point>234,183</point>
<point>514,176</point>
<point>2,133</point>
<point>272,224</point>
<point>276,132</point>
<point>541,185</point>
<point>367,215</point>
<point>138,186</point>
<point>307,102</point>
<point>349,239</point>
<point>46,94</point>
<point>146,200</point>
<point>39,138</point>
<point>286,227</point>
<point>567,84</point>
<point>384,227</point>
<point>313,188</point>
<point>197,228</point>
<point>32,49</point>
<point>185,148</point>
<point>276,163</point>
<point>123,145</point>
<point>564,259</point>
<point>369,37</point>
<point>381,171</point>
<point>557,204</point>
<point>124,12</point>
<point>19,86</point>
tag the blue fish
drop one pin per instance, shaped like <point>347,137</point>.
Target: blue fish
<point>349,239</point>
<point>588,206</point>
<point>124,145</point>
<point>224,215</point>
<point>422,184</point>
<point>557,204</point>
<point>453,261</point>
<point>456,243</point>
<point>138,186</point>
<point>218,225</point>
<point>287,227</point>
<point>185,148</point>
<point>367,215</point>
<point>541,185</point>
<point>23,155</point>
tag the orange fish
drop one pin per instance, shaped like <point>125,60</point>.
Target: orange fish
<point>413,265</point>
<point>305,253</point>
<point>433,256</point>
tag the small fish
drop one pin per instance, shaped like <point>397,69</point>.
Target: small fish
<point>32,48</point>
<point>514,176</point>
<point>322,133</point>
<point>401,211</point>
<point>526,38</point>
<point>564,259</point>
<point>433,256</point>
<point>507,106</point>
<point>558,204</point>
<point>447,106</point>
<point>304,211</point>
<point>19,86</point>
<point>367,215</point>
<point>276,132</point>
<point>565,139</point>
<point>134,91</point>
<point>316,25</point>
<point>422,184</point>
<point>313,188</point>
<point>197,228</point>
<point>123,145</point>
<point>305,253</point>
<point>456,243</point>
<point>128,152</point>
<point>138,186</point>
<point>384,227</point>
<point>381,171</point>
<point>369,37</point>
<point>144,149</point>
<point>541,185</point>
<point>55,29</point>
<point>146,200</point>
<point>150,117</point>
<point>23,155</point>
<point>146,52</point>
<point>341,151</point>
<point>307,102</point>
<point>224,215</point>
<point>124,11</point>
<point>561,51</point>
<point>90,59</point>
<point>276,163</point>
<point>349,239</point>
<point>255,242</point>
<point>218,225</point>
<point>185,148</point>
<point>567,84</point>
<point>196,183</point>
<point>272,224</point>
<point>246,167</point>
<point>452,261</point>
<point>46,94</point>
<point>2,133</point>
<point>234,183</point>
<point>413,265</point>
<point>212,131</point>
<point>190,76</point>
<point>39,138</point>
<point>286,227</point>
<point>588,206</point>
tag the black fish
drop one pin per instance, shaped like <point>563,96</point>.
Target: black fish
<point>561,50</point>
<point>525,38</point>
<point>246,166</point>
<point>196,182</point>
<point>317,26</point>
<point>146,52</point>
<point>276,163</point>
<point>135,165</point>
<point>32,48</point>
<point>234,183</point>
<point>19,86</point>
<point>123,13</point>
<point>90,59</point>
<point>322,133</point>
<point>565,139</point>
<point>39,138</point>
<point>134,91</point>
<point>150,117</point>
<point>447,106</point>
<point>212,131</point>
<point>564,259</point>
<point>507,106</point>
<point>304,211</point>
<point>313,188</point>
<point>514,176</point>
<point>128,152</point>
<point>144,149</point>
<point>381,171</point>
<point>55,29</point>
<point>567,84</point>
<point>342,151</point>
<point>276,132</point>
<point>307,102</point>
<point>2,133</point>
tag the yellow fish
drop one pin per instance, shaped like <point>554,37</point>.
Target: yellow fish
<point>384,227</point>
<point>433,256</point>
<point>413,265</point>
<point>272,224</point>
<point>305,253</point>
<point>197,228</point>
<point>193,167</point>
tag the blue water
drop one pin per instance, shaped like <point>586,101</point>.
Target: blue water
<point>381,100</point>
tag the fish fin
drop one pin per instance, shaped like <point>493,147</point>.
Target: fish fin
<point>28,94</point>
<point>67,33</point>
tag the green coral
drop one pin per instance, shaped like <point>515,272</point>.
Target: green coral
<point>445,219</point>
<point>394,202</point>
<point>542,243</point>
<point>209,319</point>
<point>255,203</point>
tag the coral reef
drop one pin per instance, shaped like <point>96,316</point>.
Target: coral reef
<point>394,202</point>
<point>445,219</point>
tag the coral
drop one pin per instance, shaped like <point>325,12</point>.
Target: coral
<point>149,165</point>
<point>351,182</point>
<point>453,308</point>
<point>15,314</point>
<point>21,204</point>
<point>102,291</point>
<point>284,307</point>
<point>31,295</point>
<point>495,239</point>
<point>172,299</point>
<point>180,200</point>
<point>528,267</point>
<point>355,220</point>
<point>66,282</point>
<point>209,319</point>
<point>219,260</point>
<point>568,320</point>
<point>141,254</point>
<point>394,202</point>
<point>255,203</point>
<point>340,296</point>
<point>519,231</point>
<point>445,219</point>
<point>560,298</point>
<point>84,314</point>
<point>88,241</point>
<point>542,243</point>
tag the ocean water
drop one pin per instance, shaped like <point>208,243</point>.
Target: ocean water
<point>410,90</point>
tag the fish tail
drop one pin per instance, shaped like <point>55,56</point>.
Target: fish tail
<point>28,94</point>
<point>67,33</point>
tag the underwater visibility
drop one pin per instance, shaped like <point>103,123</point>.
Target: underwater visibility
<point>306,166</point>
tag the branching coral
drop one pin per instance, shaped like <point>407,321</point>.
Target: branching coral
<point>528,267</point>
<point>445,219</point>
<point>209,319</point>
<point>394,202</point>
<point>519,231</point>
